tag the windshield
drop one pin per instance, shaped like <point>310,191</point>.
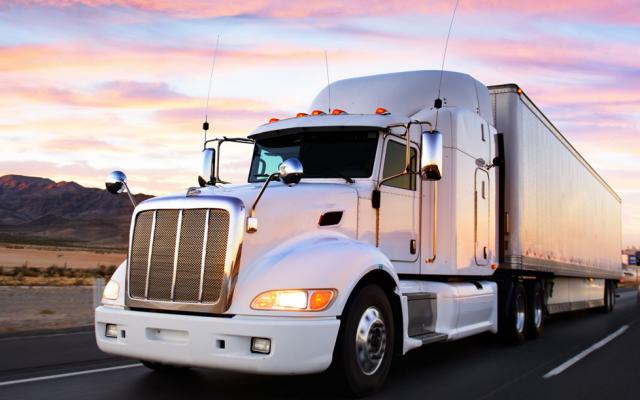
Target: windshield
<point>323,153</point>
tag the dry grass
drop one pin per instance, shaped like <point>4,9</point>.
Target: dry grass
<point>53,276</point>
<point>17,255</point>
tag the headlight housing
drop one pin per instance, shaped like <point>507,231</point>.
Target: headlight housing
<point>294,300</point>
<point>111,291</point>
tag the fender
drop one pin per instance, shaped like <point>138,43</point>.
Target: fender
<point>312,261</point>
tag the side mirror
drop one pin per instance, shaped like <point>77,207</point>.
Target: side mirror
<point>291,171</point>
<point>208,168</point>
<point>431,157</point>
<point>116,182</point>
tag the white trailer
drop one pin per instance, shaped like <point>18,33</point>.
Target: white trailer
<point>375,223</point>
<point>560,217</point>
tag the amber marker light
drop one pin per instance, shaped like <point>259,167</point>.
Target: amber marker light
<point>294,300</point>
<point>494,266</point>
<point>274,120</point>
<point>317,112</point>
<point>519,91</point>
<point>337,111</point>
<point>299,115</point>
<point>382,111</point>
<point>320,299</point>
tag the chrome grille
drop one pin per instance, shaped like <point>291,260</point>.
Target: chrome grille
<point>179,255</point>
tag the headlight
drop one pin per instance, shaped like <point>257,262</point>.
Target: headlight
<point>111,291</point>
<point>294,300</point>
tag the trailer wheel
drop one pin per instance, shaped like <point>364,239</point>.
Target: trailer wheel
<point>365,345</point>
<point>512,326</point>
<point>535,310</point>
<point>609,297</point>
<point>164,368</point>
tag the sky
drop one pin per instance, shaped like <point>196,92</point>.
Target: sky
<point>90,86</point>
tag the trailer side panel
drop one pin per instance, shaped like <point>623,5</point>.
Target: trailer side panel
<point>561,216</point>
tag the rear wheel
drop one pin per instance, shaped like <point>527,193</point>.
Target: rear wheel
<point>513,322</point>
<point>609,296</point>
<point>535,310</point>
<point>365,346</point>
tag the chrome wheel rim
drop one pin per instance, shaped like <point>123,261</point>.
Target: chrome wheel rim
<point>371,341</point>
<point>520,313</point>
<point>537,311</point>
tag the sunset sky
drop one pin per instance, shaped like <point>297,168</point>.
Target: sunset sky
<point>95,85</point>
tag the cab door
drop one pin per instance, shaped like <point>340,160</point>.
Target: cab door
<point>399,208</point>
<point>481,217</point>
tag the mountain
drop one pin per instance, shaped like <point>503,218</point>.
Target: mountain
<point>39,210</point>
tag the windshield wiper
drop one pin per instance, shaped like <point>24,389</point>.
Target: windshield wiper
<point>346,178</point>
<point>341,175</point>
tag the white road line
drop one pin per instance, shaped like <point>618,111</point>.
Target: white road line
<point>87,372</point>
<point>562,367</point>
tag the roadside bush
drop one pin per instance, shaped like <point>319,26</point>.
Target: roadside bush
<point>54,271</point>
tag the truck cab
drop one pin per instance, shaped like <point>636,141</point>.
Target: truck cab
<point>367,227</point>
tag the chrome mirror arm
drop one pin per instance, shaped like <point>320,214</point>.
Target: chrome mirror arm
<point>130,195</point>
<point>252,221</point>
<point>290,172</point>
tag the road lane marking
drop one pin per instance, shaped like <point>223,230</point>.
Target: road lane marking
<point>87,372</point>
<point>562,367</point>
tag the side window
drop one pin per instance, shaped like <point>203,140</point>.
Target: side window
<point>394,159</point>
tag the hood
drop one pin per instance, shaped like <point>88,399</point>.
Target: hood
<point>284,212</point>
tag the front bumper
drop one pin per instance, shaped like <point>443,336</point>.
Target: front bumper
<point>298,345</point>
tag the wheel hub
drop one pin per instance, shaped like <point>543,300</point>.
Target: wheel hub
<point>371,341</point>
<point>537,312</point>
<point>520,313</point>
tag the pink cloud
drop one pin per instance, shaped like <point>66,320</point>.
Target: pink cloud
<point>610,11</point>
<point>129,94</point>
<point>83,61</point>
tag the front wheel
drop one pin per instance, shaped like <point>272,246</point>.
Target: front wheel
<point>164,368</point>
<point>365,346</point>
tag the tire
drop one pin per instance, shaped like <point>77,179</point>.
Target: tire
<point>609,297</point>
<point>163,368</point>
<point>512,325</point>
<point>535,310</point>
<point>364,350</point>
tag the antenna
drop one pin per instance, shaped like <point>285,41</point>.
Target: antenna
<point>326,64</point>
<point>437,104</point>
<point>205,124</point>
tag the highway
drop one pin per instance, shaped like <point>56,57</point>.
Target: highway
<point>581,355</point>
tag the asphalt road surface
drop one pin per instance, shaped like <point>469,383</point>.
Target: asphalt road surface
<point>584,355</point>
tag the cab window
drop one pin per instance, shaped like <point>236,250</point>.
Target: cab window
<point>394,159</point>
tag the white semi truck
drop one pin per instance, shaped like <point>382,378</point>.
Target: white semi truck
<point>376,223</point>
